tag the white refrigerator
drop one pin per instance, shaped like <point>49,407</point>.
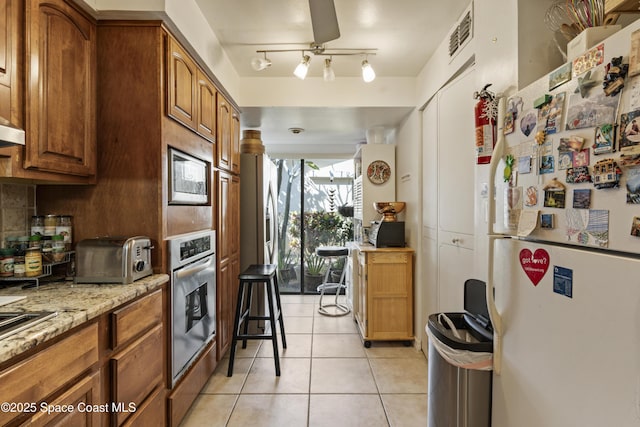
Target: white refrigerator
<point>565,264</point>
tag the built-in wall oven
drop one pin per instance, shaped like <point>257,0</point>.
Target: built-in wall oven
<point>193,298</point>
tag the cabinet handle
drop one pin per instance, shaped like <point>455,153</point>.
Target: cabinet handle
<point>456,241</point>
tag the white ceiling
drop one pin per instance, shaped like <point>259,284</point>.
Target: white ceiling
<point>405,33</point>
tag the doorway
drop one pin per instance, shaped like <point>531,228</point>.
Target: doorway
<point>315,208</point>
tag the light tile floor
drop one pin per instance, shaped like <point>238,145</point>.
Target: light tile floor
<point>328,378</point>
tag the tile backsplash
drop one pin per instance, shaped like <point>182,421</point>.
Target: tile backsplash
<point>17,206</point>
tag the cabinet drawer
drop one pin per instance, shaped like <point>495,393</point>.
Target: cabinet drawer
<point>85,391</point>
<point>48,370</point>
<point>389,258</point>
<point>137,370</point>
<point>136,318</point>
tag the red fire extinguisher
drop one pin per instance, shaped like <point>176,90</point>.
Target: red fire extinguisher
<point>485,116</point>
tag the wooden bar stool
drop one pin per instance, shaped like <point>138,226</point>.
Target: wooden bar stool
<point>257,274</point>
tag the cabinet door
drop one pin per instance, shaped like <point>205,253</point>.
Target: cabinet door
<point>6,33</point>
<point>83,394</point>
<point>182,78</point>
<point>151,413</point>
<point>225,129</point>
<point>226,302</point>
<point>456,136</point>
<point>228,255</point>
<point>225,215</point>
<point>455,263</point>
<point>61,88</point>
<point>9,30</point>
<point>206,107</point>
<point>233,230</point>
<point>137,371</point>
<point>235,142</point>
<point>361,313</point>
<point>390,295</point>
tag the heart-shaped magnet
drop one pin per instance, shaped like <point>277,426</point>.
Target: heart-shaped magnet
<point>535,265</point>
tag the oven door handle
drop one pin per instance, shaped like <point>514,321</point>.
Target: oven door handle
<point>195,267</point>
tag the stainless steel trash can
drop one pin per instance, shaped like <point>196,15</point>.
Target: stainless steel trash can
<point>461,396</point>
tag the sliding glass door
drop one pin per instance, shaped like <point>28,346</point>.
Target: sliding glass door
<point>315,208</point>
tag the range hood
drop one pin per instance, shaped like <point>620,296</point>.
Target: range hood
<point>9,134</point>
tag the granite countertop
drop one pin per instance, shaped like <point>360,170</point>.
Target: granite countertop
<point>75,304</point>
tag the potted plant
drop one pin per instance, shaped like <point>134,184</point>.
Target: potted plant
<point>313,275</point>
<point>286,269</point>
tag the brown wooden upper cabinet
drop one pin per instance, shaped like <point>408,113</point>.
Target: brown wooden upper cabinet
<point>191,94</point>
<point>6,24</point>
<point>224,133</point>
<point>206,107</point>
<point>61,89</point>
<point>235,142</point>
<point>228,150</point>
<point>10,86</point>
<point>182,80</point>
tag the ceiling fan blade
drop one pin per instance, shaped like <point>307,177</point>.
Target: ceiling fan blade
<point>324,21</point>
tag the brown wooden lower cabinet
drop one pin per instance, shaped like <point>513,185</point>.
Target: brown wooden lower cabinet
<point>135,373</point>
<point>183,395</point>
<point>151,412</point>
<point>48,372</point>
<point>83,380</point>
<point>83,397</point>
<point>385,295</point>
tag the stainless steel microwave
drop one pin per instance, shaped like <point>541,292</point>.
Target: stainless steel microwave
<point>189,179</point>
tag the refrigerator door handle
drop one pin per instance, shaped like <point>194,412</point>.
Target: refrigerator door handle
<point>494,314</point>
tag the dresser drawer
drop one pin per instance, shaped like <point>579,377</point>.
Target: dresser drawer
<point>134,319</point>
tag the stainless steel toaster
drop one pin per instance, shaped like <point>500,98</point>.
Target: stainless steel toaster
<point>113,259</point>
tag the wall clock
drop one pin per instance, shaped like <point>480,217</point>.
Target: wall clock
<point>378,172</point>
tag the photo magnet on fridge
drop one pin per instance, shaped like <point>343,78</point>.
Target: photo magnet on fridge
<point>604,139</point>
<point>635,226</point>
<point>582,198</point>
<point>563,281</point>
<point>547,221</point>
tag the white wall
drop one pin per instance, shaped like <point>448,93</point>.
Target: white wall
<point>186,21</point>
<point>344,92</point>
<point>409,190</point>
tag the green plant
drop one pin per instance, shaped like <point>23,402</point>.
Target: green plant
<point>285,260</point>
<point>314,264</point>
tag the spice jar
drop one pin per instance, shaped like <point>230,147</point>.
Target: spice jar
<point>37,225</point>
<point>34,241</point>
<point>6,262</point>
<point>19,268</point>
<point>58,248</point>
<point>12,242</point>
<point>22,244</point>
<point>50,223</point>
<point>46,247</point>
<point>64,228</point>
<point>33,262</point>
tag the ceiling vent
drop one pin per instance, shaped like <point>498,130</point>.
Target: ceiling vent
<point>461,33</point>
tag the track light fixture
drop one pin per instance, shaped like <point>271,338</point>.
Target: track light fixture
<point>368,75</point>
<point>328,73</point>
<point>303,67</point>
<point>260,64</point>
